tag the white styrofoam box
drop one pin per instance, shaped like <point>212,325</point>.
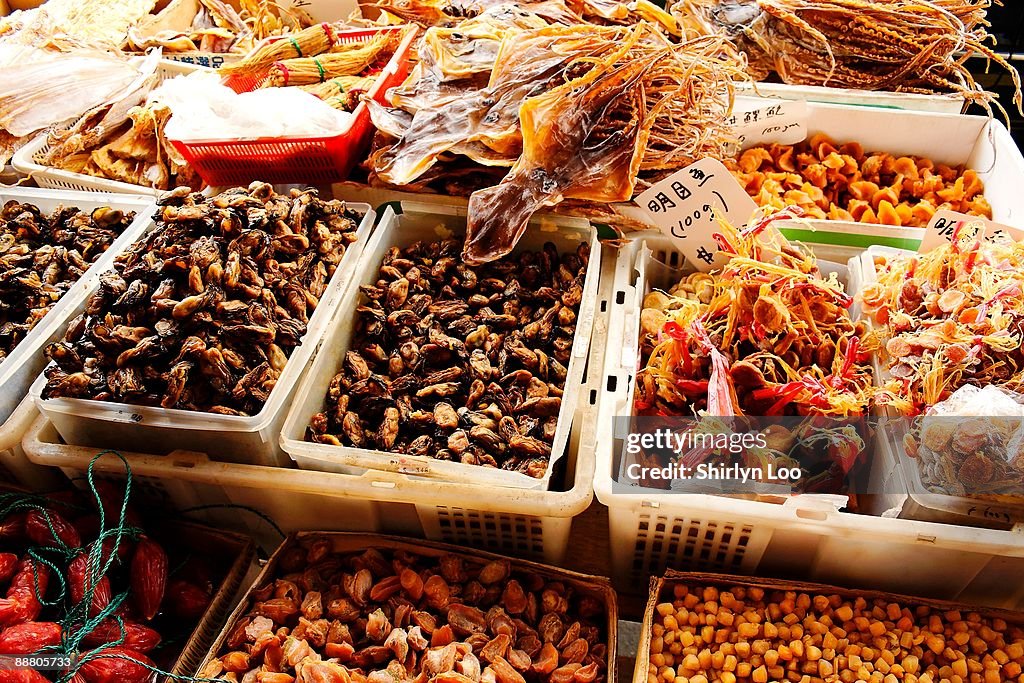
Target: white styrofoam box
<point>431,222</point>
<point>905,494</point>
<point>517,522</point>
<point>29,159</point>
<point>941,103</point>
<point>26,360</point>
<point>805,537</point>
<point>252,439</point>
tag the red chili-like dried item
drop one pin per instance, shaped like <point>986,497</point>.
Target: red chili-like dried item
<point>117,665</point>
<point>148,577</point>
<point>29,637</point>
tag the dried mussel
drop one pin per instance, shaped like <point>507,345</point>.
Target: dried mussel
<point>457,362</point>
<point>42,256</point>
<point>204,312</point>
<point>385,616</point>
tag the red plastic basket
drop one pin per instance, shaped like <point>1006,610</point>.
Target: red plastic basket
<point>315,160</point>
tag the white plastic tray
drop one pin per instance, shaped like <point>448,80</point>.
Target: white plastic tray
<point>939,103</point>
<point>252,439</point>
<point>29,159</point>
<point>806,537</point>
<point>423,222</point>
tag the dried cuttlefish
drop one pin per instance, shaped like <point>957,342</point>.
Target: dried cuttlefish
<point>456,362</point>
<point>203,313</point>
<point>576,111</point>
<point>948,318</point>
<point>42,255</point>
<point>769,335</point>
<point>895,45</point>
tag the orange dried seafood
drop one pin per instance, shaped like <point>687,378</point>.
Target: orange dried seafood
<point>842,182</point>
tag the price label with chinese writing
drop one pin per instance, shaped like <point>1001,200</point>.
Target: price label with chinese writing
<point>944,223</point>
<point>685,204</point>
<point>784,123</point>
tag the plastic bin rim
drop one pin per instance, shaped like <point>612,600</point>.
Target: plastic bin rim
<point>373,485</point>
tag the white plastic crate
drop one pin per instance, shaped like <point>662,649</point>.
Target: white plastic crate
<point>14,466</point>
<point>425,223</point>
<point>517,522</point>
<point>26,361</point>
<point>252,439</point>
<point>29,159</point>
<point>899,478</point>
<point>945,103</point>
<point>806,536</point>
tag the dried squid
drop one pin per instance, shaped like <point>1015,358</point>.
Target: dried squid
<point>576,111</point>
<point>948,318</point>
<point>894,45</point>
<point>775,337</point>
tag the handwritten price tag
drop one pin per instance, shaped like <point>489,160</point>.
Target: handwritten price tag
<point>944,223</point>
<point>684,206</point>
<point>784,123</point>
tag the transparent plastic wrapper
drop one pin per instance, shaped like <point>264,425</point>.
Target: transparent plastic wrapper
<point>972,443</point>
<point>41,88</point>
<point>204,109</point>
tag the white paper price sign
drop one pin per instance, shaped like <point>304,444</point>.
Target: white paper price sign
<point>684,206</point>
<point>944,224</point>
<point>784,123</point>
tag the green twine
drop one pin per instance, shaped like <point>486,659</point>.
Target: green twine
<point>295,44</point>
<point>320,68</point>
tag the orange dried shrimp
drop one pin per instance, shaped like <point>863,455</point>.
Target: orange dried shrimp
<point>842,182</point>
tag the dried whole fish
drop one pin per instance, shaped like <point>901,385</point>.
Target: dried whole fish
<point>386,615</point>
<point>457,362</point>
<point>203,313</point>
<point>42,256</point>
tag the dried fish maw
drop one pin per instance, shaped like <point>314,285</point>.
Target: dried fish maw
<point>576,143</point>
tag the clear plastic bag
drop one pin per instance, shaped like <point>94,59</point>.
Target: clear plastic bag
<point>204,109</point>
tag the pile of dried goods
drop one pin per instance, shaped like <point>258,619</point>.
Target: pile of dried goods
<point>204,312</point>
<point>918,46</point>
<point>769,335</point>
<point>124,142</point>
<point>575,112</point>
<point>214,26</point>
<point>458,362</point>
<point>42,256</point>
<point>948,318</point>
<point>429,13</point>
<point>704,633</point>
<point>383,616</point>
<point>842,182</point>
